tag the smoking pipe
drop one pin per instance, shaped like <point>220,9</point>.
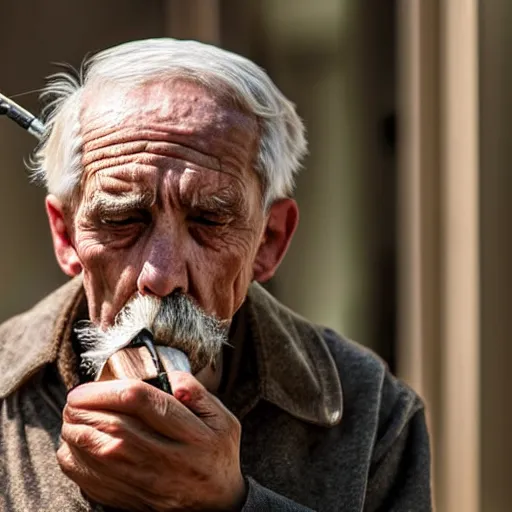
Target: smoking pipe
<point>20,116</point>
<point>145,360</point>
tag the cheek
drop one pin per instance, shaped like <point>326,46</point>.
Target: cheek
<point>99,259</point>
<point>110,276</point>
<point>223,276</point>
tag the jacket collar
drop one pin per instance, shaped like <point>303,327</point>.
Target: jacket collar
<point>294,368</point>
<point>33,339</point>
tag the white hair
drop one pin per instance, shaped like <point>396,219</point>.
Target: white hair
<point>282,142</point>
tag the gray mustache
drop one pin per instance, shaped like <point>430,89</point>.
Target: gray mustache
<point>174,321</point>
<point>181,324</point>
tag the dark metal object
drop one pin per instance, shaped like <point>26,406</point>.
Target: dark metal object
<point>145,339</point>
<point>21,116</point>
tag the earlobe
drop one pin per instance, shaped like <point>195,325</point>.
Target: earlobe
<point>62,244</point>
<point>282,221</point>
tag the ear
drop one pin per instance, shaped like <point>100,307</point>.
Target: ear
<point>282,221</point>
<point>62,245</point>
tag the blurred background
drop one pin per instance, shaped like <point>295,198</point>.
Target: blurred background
<point>403,244</point>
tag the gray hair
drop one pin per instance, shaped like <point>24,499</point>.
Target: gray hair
<point>282,144</point>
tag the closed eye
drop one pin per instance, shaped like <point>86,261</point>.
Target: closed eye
<point>207,221</point>
<point>129,220</point>
<point>120,222</point>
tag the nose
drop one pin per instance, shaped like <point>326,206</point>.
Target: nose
<point>164,270</point>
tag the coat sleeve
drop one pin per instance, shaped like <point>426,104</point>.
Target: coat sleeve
<point>399,479</point>
<point>261,499</point>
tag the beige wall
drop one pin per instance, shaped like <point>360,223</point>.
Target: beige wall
<point>496,243</point>
<point>456,244</point>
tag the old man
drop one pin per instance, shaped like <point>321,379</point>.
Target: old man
<point>170,169</point>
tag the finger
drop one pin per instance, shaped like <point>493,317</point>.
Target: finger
<point>99,461</point>
<point>87,474</point>
<point>115,424</point>
<point>72,465</point>
<point>100,455</point>
<point>160,411</point>
<point>191,393</point>
<point>93,442</point>
<point>100,482</point>
<point>110,438</point>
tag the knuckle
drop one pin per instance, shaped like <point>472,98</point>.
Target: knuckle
<point>231,423</point>
<point>112,450</point>
<point>160,404</point>
<point>68,414</point>
<point>235,425</point>
<point>82,438</point>
<point>132,394</point>
<point>72,414</point>
<point>65,458</point>
<point>233,428</point>
<point>75,435</point>
<point>114,427</point>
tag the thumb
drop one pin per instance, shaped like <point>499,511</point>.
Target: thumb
<point>193,395</point>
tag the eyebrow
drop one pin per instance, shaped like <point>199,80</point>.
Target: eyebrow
<point>102,203</point>
<point>225,201</point>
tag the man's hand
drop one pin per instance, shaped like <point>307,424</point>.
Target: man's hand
<point>130,445</point>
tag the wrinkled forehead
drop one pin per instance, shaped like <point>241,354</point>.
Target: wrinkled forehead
<point>181,104</point>
<point>132,135</point>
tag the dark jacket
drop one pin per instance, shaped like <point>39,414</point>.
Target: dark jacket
<point>325,426</point>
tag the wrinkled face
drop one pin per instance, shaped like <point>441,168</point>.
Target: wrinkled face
<point>169,199</point>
